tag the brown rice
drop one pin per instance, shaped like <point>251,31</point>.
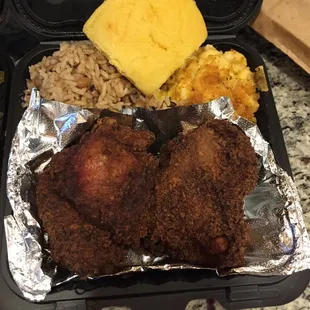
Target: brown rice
<point>79,74</point>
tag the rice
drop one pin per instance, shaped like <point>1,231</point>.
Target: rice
<point>79,74</point>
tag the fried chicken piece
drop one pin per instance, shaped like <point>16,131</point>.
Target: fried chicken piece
<point>199,196</point>
<point>74,243</point>
<point>109,179</point>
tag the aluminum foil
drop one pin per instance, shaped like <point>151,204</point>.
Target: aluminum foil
<point>281,244</point>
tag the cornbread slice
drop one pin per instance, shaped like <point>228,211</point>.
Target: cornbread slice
<point>147,40</point>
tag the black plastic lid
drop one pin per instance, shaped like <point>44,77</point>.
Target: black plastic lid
<point>229,16</point>
<point>6,71</point>
<point>2,11</point>
<point>64,19</point>
<point>1,6</point>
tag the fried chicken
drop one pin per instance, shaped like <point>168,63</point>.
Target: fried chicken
<point>199,196</point>
<point>107,194</point>
<point>109,179</point>
<point>74,243</point>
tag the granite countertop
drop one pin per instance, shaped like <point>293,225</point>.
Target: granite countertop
<point>291,89</point>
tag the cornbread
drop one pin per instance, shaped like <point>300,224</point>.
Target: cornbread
<point>210,74</point>
<point>147,40</point>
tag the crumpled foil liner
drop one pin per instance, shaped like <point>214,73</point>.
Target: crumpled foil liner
<point>281,243</point>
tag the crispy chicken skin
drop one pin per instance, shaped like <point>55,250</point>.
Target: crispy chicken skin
<point>199,196</point>
<point>74,243</point>
<point>107,194</point>
<point>109,179</point>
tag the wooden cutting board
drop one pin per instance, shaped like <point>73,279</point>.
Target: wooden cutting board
<point>286,23</point>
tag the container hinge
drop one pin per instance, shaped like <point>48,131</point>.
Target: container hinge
<point>71,305</point>
<point>243,293</point>
<point>244,297</point>
<point>51,42</point>
<point>221,37</point>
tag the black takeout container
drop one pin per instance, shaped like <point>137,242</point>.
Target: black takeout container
<point>6,71</point>
<point>53,21</point>
<point>3,14</point>
<point>1,10</point>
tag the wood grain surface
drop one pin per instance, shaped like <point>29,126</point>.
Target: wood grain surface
<point>286,23</point>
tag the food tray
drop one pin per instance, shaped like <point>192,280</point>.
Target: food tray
<point>154,289</point>
<point>197,284</point>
